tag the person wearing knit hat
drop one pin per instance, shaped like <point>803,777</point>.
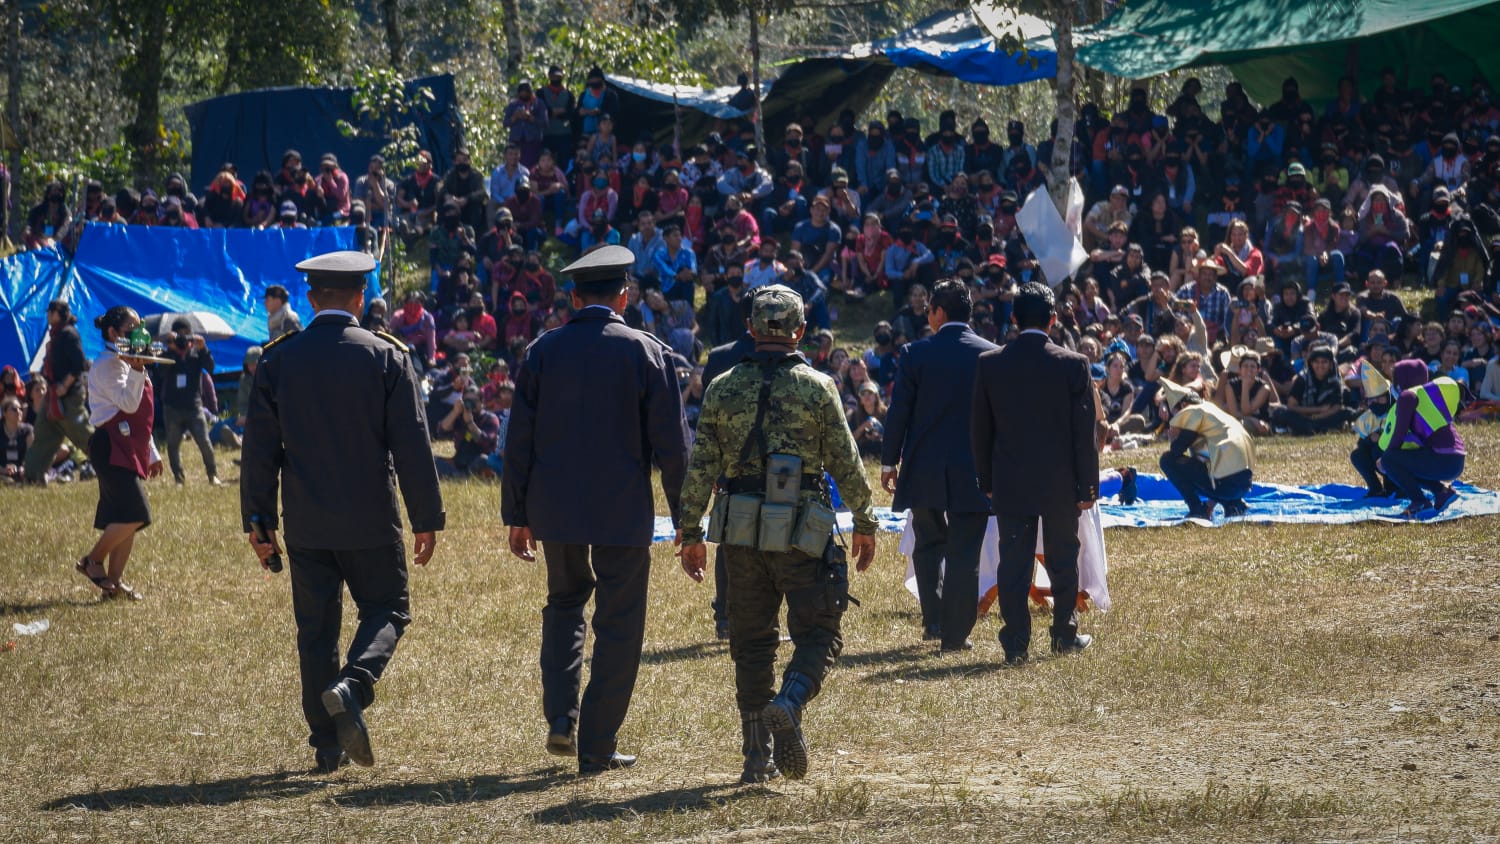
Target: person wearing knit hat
<point>1210,454</point>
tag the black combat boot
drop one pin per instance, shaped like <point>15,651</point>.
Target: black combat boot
<point>759,766</point>
<point>783,716</point>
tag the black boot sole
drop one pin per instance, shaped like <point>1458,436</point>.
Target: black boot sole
<point>786,733</point>
<point>354,737</point>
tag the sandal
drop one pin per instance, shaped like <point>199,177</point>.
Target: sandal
<point>121,589</point>
<point>82,567</point>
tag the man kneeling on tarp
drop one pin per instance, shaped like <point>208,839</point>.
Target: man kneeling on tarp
<point>1209,454</point>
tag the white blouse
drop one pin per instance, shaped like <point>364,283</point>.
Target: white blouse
<point>115,387</point>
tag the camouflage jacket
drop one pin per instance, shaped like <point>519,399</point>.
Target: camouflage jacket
<point>804,417</point>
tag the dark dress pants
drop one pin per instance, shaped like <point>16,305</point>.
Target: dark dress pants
<point>377,583</point>
<point>954,538</point>
<point>1013,579</point>
<point>616,577</point>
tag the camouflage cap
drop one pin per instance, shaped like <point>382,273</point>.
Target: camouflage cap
<point>776,312</point>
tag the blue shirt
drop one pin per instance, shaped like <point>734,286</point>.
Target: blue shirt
<point>667,266</point>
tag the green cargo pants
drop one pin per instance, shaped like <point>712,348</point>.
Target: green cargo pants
<point>758,580</point>
<point>74,425</point>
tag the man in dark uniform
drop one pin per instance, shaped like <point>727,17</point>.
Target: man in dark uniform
<point>597,404</point>
<point>336,415</point>
<point>721,359</point>
<point>1033,437</point>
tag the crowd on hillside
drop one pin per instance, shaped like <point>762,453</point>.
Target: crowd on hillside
<point>1250,257</point>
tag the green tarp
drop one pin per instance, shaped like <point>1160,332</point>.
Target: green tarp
<point>1317,41</point>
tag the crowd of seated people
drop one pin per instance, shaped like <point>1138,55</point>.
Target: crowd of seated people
<point>1250,256</point>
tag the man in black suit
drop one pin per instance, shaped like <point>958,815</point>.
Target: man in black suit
<point>336,419</point>
<point>721,359</point>
<point>1033,436</point>
<point>596,405</point>
<point>927,433</point>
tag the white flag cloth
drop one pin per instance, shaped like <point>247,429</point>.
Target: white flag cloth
<point>1053,240</point>
<point>1093,563</point>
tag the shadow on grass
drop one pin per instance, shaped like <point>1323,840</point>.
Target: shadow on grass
<point>477,789</point>
<point>682,653</point>
<point>904,654</point>
<point>216,793</point>
<point>936,671</point>
<point>676,800</point>
<point>44,606</point>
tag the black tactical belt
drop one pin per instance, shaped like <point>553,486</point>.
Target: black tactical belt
<point>757,483</point>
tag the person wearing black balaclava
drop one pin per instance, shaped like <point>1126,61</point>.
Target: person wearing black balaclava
<point>464,186</point>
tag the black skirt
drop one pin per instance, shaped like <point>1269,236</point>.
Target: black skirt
<point>122,493</point>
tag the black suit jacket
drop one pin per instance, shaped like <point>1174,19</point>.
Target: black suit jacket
<point>335,412</point>
<point>597,402</point>
<point>723,358</point>
<point>927,426</point>
<point>1033,428</point>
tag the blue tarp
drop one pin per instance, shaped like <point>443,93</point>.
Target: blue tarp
<point>155,269</point>
<point>28,282</point>
<point>955,44</point>
<point>253,128</point>
<point>1160,506</point>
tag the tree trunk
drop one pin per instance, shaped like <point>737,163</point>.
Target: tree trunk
<point>755,116</point>
<point>142,83</point>
<point>395,41</point>
<point>1059,170</point>
<point>514,49</point>
<point>13,111</point>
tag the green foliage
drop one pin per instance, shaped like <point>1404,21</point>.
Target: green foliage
<point>652,54</point>
<point>387,109</point>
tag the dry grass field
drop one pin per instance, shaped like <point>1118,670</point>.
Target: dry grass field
<point>1253,683</point>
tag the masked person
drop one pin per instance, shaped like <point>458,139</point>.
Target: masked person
<point>121,449</point>
<point>1421,448</point>
<point>1378,400</point>
<point>1209,454</point>
<point>768,430</point>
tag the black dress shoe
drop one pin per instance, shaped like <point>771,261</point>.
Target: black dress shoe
<point>599,764</point>
<point>1016,660</point>
<point>721,630</point>
<point>965,645</point>
<point>932,633</point>
<point>1235,509</point>
<point>343,704</point>
<point>562,738</point>
<point>1073,645</point>
<point>328,761</point>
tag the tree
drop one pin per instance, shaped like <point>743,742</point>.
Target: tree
<point>1065,16</point>
<point>693,13</point>
<point>511,22</point>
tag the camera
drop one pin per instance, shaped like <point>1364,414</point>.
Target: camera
<point>181,342</point>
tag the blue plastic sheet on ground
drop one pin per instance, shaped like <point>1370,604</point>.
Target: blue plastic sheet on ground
<point>28,282</point>
<point>1160,506</point>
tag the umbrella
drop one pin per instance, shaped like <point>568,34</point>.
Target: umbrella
<point>207,325</point>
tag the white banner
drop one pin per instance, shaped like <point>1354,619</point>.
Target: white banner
<point>1053,239</point>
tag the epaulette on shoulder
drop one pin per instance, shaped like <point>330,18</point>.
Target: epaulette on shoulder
<point>393,340</point>
<point>272,344</point>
